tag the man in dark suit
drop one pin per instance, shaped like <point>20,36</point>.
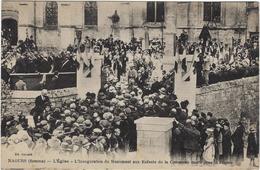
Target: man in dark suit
<point>156,86</point>
<point>45,63</point>
<point>254,53</point>
<point>21,64</point>
<point>21,46</point>
<point>40,104</point>
<point>70,64</point>
<point>58,61</point>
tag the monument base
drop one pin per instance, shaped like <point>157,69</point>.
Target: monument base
<point>154,137</point>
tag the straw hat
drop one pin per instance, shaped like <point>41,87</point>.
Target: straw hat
<point>88,123</point>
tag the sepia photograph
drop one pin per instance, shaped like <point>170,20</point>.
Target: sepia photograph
<point>129,85</point>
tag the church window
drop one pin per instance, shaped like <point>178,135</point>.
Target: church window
<point>91,13</point>
<point>155,11</point>
<point>212,11</point>
<point>51,14</point>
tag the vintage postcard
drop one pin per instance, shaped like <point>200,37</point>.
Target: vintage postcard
<point>129,85</point>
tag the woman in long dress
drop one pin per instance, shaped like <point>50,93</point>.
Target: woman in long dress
<point>209,148</point>
<point>157,63</point>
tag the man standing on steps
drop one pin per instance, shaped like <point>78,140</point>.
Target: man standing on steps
<point>40,104</point>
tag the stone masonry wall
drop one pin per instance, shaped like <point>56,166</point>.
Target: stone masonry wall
<point>229,99</point>
<point>24,100</point>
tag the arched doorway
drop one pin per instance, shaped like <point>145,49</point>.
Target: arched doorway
<point>10,30</point>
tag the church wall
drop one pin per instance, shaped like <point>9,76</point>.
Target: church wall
<point>228,99</point>
<point>253,21</point>
<point>233,15</point>
<point>253,18</point>
<point>187,16</point>
<point>25,100</point>
<point>48,38</point>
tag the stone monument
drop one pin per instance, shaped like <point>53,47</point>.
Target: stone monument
<point>154,136</point>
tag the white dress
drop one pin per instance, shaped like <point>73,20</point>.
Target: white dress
<point>209,150</point>
<point>157,72</point>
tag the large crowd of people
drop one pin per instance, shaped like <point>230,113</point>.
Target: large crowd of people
<point>26,58</point>
<point>104,124</point>
<point>216,61</point>
<point>135,86</point>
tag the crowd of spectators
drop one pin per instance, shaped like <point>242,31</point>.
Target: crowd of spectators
<point>204,138</point>
<point>26,58</point>
<point>216,61</point>
<point>103,123</point>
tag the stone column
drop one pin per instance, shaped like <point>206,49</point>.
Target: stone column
<point>169,34</point>
<point>116,30</point>
<point>146,39</point>
<point>154,136</point>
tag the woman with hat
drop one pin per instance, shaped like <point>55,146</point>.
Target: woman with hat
<point>95,134</point>
<point>111,142</point>
<point>218,136</point>
<point>116,122</point>
<point>40,146</point>
<point>54,145</point>
<point>99,145</point>
<point>76,145</point>
<point>252,148</point>
<point>88,127</point>
<point>238,143</point>
<point>68,145</point>
<point>59,132</point>
<point>105,124</point>
<point>209,148</point>
<point>121,143</point>
<point>227,144</point>
<point>87,147</point>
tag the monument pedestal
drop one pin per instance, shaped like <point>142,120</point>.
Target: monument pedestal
<point>154,136</point>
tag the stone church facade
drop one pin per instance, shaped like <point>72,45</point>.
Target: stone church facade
<point>56,23</point>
